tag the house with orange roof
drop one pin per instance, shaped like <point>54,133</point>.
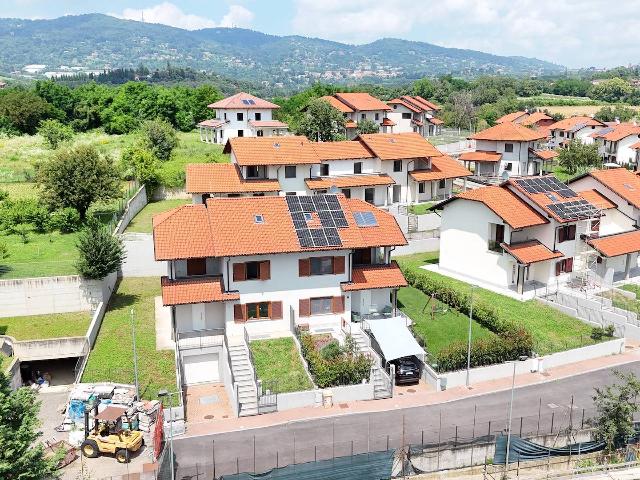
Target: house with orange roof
<point>619,143</point>
<point>535,232</point>
<point>412,113</point>
<point>241,115</point>
<point>536,120</point>
<point>576,127</point>
<point>260,267</point>
<point>358,106</point>
<point>506,149</point>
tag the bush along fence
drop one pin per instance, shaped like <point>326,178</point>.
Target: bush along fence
<point>511,341</point>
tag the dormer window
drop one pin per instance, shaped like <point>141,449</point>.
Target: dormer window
<point>258,218</point>
<point>308,217</point>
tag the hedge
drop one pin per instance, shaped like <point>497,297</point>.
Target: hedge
<point>511,341</point>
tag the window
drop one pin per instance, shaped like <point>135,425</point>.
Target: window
<point>321,265</point>
<point>595,225</point>
<point>421,187</point>
<point>496,237</point>
<point>377,116</point>
<point>259,133</point>
<point>253,171</point>
<point>564,266</point>
<point>252,271</point>
<point>508,147</point>
<point>508,167</point>
<point>241,133</point>
<point>406,116</point>
<point>357,167</point>
<point>566,233</point>
<point>240,116</point>
<point>258,310</point>
<point>324,169</point>
<point>363,116</point>
<point>321,306</point>
<point>370,195</point>
<point>225,115</point>
<point>258,116</point>
<point>196,266</point>
<point>346,192</point>
<point>397,165</point>
<point>442,184</point>
<point>561,133</point>
<point>290,171</point>
<point>291,194</point>
<point>258,218</point>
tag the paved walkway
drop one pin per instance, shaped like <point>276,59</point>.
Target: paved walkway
<point>140,261</point>
<point>163,326</point>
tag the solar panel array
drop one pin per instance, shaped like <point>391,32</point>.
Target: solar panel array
<point>330,214</point>
<point>248,101</point>
<point>545,185</point>
<point>365,219</point>
<point>574,210</point>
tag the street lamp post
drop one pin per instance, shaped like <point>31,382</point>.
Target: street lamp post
<point>164,393</point>
<point>513,387</point>
<point>469,339</point>
<point>135,355</point>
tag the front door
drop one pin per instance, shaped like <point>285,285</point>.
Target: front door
<point>198,317</point>
<point>369,195</point>
<point>396,193</point>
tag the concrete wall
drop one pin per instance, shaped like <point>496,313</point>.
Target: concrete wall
<point>163,193</point>
<point>37,296</point>
<point>96,322</point>
<point>13,373</point>
<point>349,393</point>
<point>52,348</point>
<point>287,401</point>
<point>418,246</point>
<point>134,205</point>
<point>310,398</point>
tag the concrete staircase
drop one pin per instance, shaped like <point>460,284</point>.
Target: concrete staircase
<point>243,375</point>
<point>412,223</point>
<point>381,381</point>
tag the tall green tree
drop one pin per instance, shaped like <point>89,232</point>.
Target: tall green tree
<point>24,110</point>
<point>620,112</point>
<point>613,90</point>
<point>99,251</point>
<point>21,456</point>
<point>54,132</point>
<point>321,122</point>
<point>159,137</point>
<point>579,157</point>
<point>367,126</point>
<point>77,177</point>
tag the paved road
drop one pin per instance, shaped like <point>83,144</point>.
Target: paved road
<point>359,433</point>
<point>140,261</point>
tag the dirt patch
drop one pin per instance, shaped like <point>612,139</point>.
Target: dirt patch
<point>321,340</point>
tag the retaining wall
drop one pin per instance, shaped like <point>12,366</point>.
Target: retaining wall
<point>418,246</point>
<point>134,205</point>
<point>13,373</point>
<point>307,398</point>
<point>51,348</point>
<point>96,321</point>
<point>163,193</point>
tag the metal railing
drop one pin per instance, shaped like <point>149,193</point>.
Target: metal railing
<point>251,362</point>
<point>209,337</point>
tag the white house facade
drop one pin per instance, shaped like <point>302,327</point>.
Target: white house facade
<point>415,114</point>
<point>359,106</point>
<point>619,144</point>
<point>579,128</point>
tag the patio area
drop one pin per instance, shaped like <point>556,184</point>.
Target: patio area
<point>207,402</point>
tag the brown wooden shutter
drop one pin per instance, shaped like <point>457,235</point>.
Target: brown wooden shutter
<point>265,270</point>
<point>276,310</point>
<point>338,265</point>
<point>239,313</point>
<point>558,268</point>
<point>338,304</point>
<point>568,265</point>
<point>196,266</point>
<point>239,272</point>
<point>304,267</point>
<point>305,307</point>
<point>561,235</point>
<point>571,234</point>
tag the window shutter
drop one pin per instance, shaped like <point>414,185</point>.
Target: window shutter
<point>558,268</point>
<point>265,270</point>
<point>276,310</point>
<point>305,307</point>
<point>571,233</point>
<point>239,272</point>
<point>561,235</point>
<point>196,266</point>
<point>568,266</point>
<point>304,267</point>
<point>338,304</point>
<point>338,265</point>
<point>239,313</point>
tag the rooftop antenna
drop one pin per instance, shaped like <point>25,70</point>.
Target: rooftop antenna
<point>142,16</point>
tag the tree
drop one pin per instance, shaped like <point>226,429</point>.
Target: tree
<point>100,252</point>
<point>578,156</point>
<point>160,138</point>
<point>25,110</point>
<point>613,90</point>
<point>619,112</point>
<point>21,458</point>
<point>54,133</point>
<point>321,122</point>
<point>78,177</point>
<point>424,88</point>
<point>615,406</point>
<point>367,126</point>
<point>143,166</point>
<point>462,109</point>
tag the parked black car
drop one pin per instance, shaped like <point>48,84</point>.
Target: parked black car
<point>408,370</point>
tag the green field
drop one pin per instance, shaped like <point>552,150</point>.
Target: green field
<point>421,208</point>
<point>54,325</point>
<point>142,222</point>
<point>112,356</point>
<point>552,330</point>
<point>278,364</point>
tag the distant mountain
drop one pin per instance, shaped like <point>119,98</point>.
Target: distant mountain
<point>99,41</point>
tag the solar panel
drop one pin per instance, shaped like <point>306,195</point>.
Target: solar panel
<point>293,202</point>
<point>575,210</point>
<point>320,203</point>
<point>567,193</point>
<point>304,237</point>
<point>545,185</point>
<point>332,202</point>
<point>331,216</point>
<point>365,219</point>
<point>339,219</point>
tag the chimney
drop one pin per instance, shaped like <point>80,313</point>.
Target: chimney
<point>617,120</point>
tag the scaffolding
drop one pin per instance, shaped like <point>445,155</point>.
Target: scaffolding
<point>585,262</point>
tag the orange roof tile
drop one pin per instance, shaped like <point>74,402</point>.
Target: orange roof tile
<point>182,233</point>
<point>350,124</point>
<point>435,121</point>
<point>597,199</point>
<point>387,122</point>
<point>243,101</point>
<point>530,252</point>
<point>511,117</point>
<point>224,178</point>
<point>617,244</point>
<point>371,277</point>
<point>425,103</point>
<point>341,150</point>
<point>544,154</point>
<point>267,124</point>
<point>570,123</point>
<point>505,204</point>
<point>410,106</point>
<point>441,167</point>
<point>480,156</point>
<point>621,131</point>
<point>290,150</point>
<point>508,131</point>
<point>398,146</point>
<point>536,117</point>
<point>337,104</point>
<point>361,101</point>
<point>347,181</point>
<point>635,146</point>
<point>194,290</point>
<point>213,123</point>
<point>621,181</point>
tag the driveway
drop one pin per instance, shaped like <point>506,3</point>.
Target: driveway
<point>140,261</point>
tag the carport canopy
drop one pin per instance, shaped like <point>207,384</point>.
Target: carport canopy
<point>394,338</point>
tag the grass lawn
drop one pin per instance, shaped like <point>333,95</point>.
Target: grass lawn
<point>112,356</point>
<point>450,135</point>
<point>421,208</point>
<point>444,328</point>
<point>142,223</point>
<point>4,362</point>
<point>623,302</point>
<point>54,325</point>
<point>278,360</point>
<point>45,254</point>
<point>552,330</point>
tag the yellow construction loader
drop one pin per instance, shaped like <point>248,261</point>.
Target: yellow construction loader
<point>108,436</point>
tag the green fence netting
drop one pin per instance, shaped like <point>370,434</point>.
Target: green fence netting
<point>523,450</point>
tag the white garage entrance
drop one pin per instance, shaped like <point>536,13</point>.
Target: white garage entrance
<point>203,368</point>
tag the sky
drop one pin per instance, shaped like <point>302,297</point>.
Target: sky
<point>574,33</point>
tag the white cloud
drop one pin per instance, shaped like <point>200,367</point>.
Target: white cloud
<point>570,32</point>
<point>167,13</point>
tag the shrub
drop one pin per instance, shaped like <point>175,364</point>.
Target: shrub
<point>143,166</point>
<point>3,195</point>
<point>597,333</point>
<point>331,351</point>
<point>17,212</point>
<point>53,132</point>
<point>67,220</point>
<point>609,330</point>
<point>4,250</point>
<point>159,138</point>
<point>100,252</point>
<point>22,230</point>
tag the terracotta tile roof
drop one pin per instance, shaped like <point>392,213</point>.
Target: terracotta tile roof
<point>361,101</point>
<point>505,204</point>
<point>347,149</point>
<point>423,102</point>
<point>267,124</point>
<point>289,150</point>
<point>511,117</point>
<point>617,244</point>
<point>243,101</point>
<point>213,123</point>
<point>597,199</point>
<point>398,146</point>
<point>194,290</point>
<point>415,103</point>
<point>227,227</point>
<point>435,121</point>
<point>480,156</point>
<point>621,181</point>
<point>534,118</point>
<point>441,167</point>
<point>530,252</point>
<point>410,106</point>
<point>182,233</point>
<point>420,123</point>
<point>347,181</point>
<point>387,122</point>
<point>350,124</point>
<point>335,103</point>
<point>544,154</point>
<point>224,178</point>
<point>369,277</point>
<point>571,123</point>
<point>621,131</point>
<point>635,146</point>
<point>508,131</point>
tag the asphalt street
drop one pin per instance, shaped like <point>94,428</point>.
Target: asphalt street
<point>543,408</point>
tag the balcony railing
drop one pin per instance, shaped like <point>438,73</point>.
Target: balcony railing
<point>212,337</point>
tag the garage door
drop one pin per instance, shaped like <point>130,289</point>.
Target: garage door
<point>201,368</point>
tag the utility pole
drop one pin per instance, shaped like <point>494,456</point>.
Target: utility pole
<point>135,355</point>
